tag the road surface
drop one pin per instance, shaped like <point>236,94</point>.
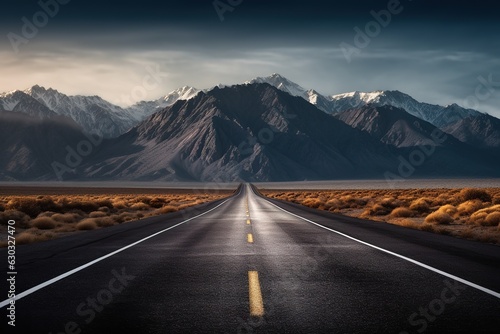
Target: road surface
<point>252,265</point>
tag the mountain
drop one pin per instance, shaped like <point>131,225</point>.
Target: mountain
<point>143,109</point>
<point>255,132</point>
<point>482,131</point>
<point>440,116</point>
<point>250,132</point>
<point>434,114</point>
<point>290,87</point>
<point>18,101</point>
<point>92,113</point>
<point>29,146</point>
<point>390,125</point>
<point>450,118</point>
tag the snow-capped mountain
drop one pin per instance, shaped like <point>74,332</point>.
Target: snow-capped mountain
<point>293,89</point>
<point>282,84</point>
<point>438,115</point>
<point>218,136</point>
<point>18,101</point>
<point>246,132</point>
<point>143,109</point>
<point>92,113</point>
<point>448,118</point>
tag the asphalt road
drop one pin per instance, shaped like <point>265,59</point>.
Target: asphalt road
<point>251,265</point>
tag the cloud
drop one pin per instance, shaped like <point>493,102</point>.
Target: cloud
<point>101,49</point>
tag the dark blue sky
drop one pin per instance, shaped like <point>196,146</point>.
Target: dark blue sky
<point>435,51</point>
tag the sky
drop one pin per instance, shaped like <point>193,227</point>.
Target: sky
<point>125,51</point>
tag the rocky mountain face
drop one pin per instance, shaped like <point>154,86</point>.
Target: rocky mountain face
<point>92,113</point>
<point>482,131</point>
<point>443,117</point>
<point>256,132</point>
<point>253,132</point>
<point>30,146</point>
<point>390,125</point>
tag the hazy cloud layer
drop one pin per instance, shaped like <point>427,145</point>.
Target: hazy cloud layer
<point>435,52</point>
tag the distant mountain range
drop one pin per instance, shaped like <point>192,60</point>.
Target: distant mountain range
<point>268,129</point>
<point>93,114</point>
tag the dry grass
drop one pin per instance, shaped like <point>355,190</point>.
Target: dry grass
<point>439,217</point>
<point>43,217</point>
<point>44,223</point>
<point>466,213</point>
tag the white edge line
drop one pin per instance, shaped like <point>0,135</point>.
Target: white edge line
<point>71,272</point>
<point>456,278</point>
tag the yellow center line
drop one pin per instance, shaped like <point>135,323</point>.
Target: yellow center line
<point>250,238</point>
<point>248,222</point>
<point>255,295</point>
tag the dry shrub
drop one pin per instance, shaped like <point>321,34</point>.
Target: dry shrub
<point>312,202</point>
<point>492,219</point>
<point>377,210</point>
<point>449,209</point>
<point>390,203</point>
<point>469,207</point>
<point>104,203</point>
<point>126,217</point>
<point>43,223</point>
<point>167,209</point>
<point>22,219</point>
<point>402,212</point>
<point>439,217</point>
<point>420,205</point>
<point>97,214</point>
<point>33,235</point>
<point>87,224</point>
<point>46,214</point>
<point>408,223</point>
<point>427,227</point>
<point>353,202</point>
<point>334,204</point>
<point>105,221</point>
<point>65,217</point>
<point>469,194</point>
<point>25,238</point>
<point>157,202</point>
<point>477,218</point>
<point>119,203</point>
<point>85,205</point>
<point>104,209</point>
<point>27,205</point>
<point>490,209</point>
<point>140,206</point>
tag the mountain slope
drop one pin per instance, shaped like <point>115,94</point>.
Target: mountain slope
<point>143,109</point>
<point>437,115</point>
<point>251,132</point>
<point>434,114</point>
<point>30,146</point>
<point>92,113</point>
<point>18,101</point>
<point>256,132</point>
<point>482,131</point>
<point>390,125</point>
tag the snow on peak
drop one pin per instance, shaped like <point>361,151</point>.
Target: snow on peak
<point>183,93</point>
<point>282,83</point>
